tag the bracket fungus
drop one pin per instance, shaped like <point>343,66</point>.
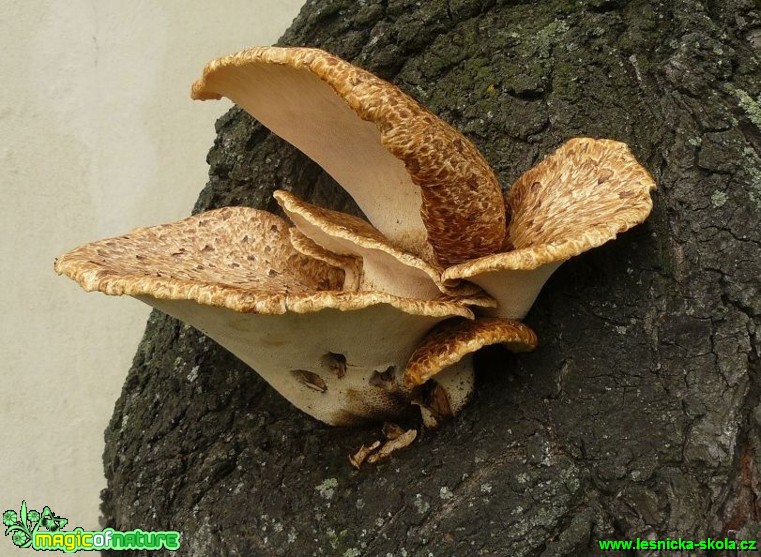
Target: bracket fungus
<point>353,320</point>
<point>233,273</point>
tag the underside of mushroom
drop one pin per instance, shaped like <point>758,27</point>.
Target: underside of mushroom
<point>357,321</point>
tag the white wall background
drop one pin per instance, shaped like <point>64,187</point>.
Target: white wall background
<point>98,135</point>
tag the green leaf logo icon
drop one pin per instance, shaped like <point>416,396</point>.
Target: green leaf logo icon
<point>21,527</point>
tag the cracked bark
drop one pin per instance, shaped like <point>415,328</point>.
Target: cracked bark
<point>640,413</point>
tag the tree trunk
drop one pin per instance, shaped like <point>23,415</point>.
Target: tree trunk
<point>640,413</point>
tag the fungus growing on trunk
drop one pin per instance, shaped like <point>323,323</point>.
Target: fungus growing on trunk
<point>233,274</point>
<point>338,314</point>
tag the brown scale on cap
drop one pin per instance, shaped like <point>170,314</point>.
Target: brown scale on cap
<point>578,198</point>
<point>234,257</point>
<point>585,193</point>
<point>447,343</point>
<point>460,201</point>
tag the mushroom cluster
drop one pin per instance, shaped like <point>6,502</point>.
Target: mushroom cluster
<point>355,320</point>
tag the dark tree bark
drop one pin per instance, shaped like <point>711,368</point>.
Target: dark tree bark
<point>640,413</point>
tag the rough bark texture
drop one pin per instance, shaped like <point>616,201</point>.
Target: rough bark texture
<point>640,413</point>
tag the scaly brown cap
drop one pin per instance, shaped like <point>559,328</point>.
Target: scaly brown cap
<point>419,181</point>
<point>578,198</point>
<point>450,341</point>
<point>236,257</point>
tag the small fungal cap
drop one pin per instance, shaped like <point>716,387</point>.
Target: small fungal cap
<point>585,193</point>
<point>452,340</point>
<point>351,265</point>
<point>386,267</point>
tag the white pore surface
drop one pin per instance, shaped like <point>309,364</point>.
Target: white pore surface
<point>372,340</point>
<point>307,113</point>
<point>98,135</point>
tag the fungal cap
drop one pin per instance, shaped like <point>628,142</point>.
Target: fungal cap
<point>236,258</point>
<point>418,180</point>
<point>578,198</point>
<point>386,267</point>
<point>452,340</point>
<point>234,274</point>
<point>581,196</point>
